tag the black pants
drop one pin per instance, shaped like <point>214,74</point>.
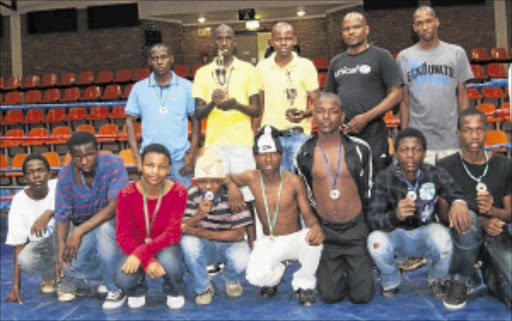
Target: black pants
<point>345,267</point>
<point>376,135</point>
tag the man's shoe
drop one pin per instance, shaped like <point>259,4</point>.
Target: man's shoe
<point>102,289</point>
<point>136,302</point>
<point>114,300</point>
<point>66,296</point>
<point>48,286</point>
<point>269,291</point>
<point>413,263</point>
<point>204,298</point>
<point>456,295</point>
<point>234,290</point>
<point>306,298</point>
<point>390,293</point>
<point>175,302</point>
<point>214,269</point>
<point>438,288</point>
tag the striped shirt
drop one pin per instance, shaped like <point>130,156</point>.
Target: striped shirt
<point>78,202</point>
<point>221,217</point>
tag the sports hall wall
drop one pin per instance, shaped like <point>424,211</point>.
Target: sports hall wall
<point>110,49</point>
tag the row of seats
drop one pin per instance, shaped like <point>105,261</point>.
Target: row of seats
<point>494,70</point>
<point>481,55</point>
<point>72,94</point>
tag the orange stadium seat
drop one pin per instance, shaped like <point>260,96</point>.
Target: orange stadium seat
<point>55,115</point>
<point>496,71</point>
<point>32,97</point>
<point>123,75</point>
<point>181,70</point>
<point>49,80</point>
<point>111,92</point>
<point>85,78</point>
<point>76,113</point>
<point>12,142</point>
<point>489,109</point>
<point>13,98</point>
<point>53,159</point>
<point>500,55</point>
<point>478,72</point>
<point>105,77</point>
<point>473,94</point>
<point>122,137</point>
<point>34,116</point>
<point>51,95</point>
<point>13,116</point>
<point>17,162</point>
<point>126,91</point>
<point>86,128</point>
<point>127,157</point>
<point>30,82</point>
<point>3,161</point>
<point>98,112</point>
<point>12,83</point>
<point>67,79</point>
<point>493,93</point>
<point>321,62</point>
<point>36,132</point>
<point>141,73</point>
<point>92,93</point>
<point>67,158</point>
<point>60,135</point>
<point>495,138</point>
<point>117,113</point>
<point>480,55</point>
<point>108,130</point>
<point>71,94</point>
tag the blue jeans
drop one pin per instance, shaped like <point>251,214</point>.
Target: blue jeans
<point>38,257</point>
<point>432,240</point>
<point>200,252</point>
<point>291,145</point>
<point>96,259</point>
<point>171,260</point>
<point>185,180</point>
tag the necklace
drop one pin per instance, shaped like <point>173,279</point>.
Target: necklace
<point>480,187</point>
<point>272,224</point>
<point>412,190</point>
<point>163,109</point>
<point>335,193</point>
<point>146,210</point>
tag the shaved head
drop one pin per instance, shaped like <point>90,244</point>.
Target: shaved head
<point>328,96</point>
<point>282,26</point>
<point>223,27</point>
<point>424,9</point>
<point>355,14</point>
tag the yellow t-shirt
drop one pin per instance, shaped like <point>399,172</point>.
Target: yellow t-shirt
<point>228,128</point>
<point>303,77</point>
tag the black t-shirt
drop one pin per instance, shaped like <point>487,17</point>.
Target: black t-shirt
<point>498,178</point>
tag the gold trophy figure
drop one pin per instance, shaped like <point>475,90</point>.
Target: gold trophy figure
<point>291,93</point>
<point>220,73</point>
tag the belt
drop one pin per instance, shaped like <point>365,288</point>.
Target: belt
<point>292,131</point>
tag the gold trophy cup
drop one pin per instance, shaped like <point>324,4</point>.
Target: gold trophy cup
<point>220,73</point>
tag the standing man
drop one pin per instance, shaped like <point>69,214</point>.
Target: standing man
<point>337,171</point>
<point>287,80</point>
<point>226,92</point>
<point>435,73</point>
<point>164,103</point>
<point>86,197</point>
<point>486,182</point>
<point>368,82</point>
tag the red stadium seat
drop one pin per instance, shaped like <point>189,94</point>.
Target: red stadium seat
<point>3,161</point>
<point>322,79</point>
<point>321,62</point>
<point>49,80</point>
<point>13,116</point>
<point>141,73</point>
<point>473,94</point>
<point>67,79</point>
<point>181,70</point>
<point>13,98</point>
<point>30,82</point>
<point>86,128</point>
<point>92,93</point>
<point>126,91</point>
<point>478,72</point>
<point>496,71</point>
<point>71,94</point>
<point>12,83</point>
<point>85,78</point>
<point>2,83</point>
<point>98,112</point>
<point>111,92</point>
<point>480,55</point>
<point>117,113</point>
<point>55,115</point>
<point>493,93</point>
<point>60,135</point>
<point>5,143</point>
<point>36,132</point>
<point>123,75</point>
<point>34,116</point>
<point>108,130</point>
<point>105,77</point>
<point>51,95</point>
<point>76,113</point>
<point>500,55</point>
<point>32,97</point>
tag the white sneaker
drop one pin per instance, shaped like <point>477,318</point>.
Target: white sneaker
<point>136,302</point>
<point>102,289</point>
<point>114,300</point>
<point>175,302</point>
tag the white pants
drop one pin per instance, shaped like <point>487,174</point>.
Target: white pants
<point>266,268</point>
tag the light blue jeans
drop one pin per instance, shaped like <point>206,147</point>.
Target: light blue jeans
<point>291,145</point>
<point>38,257</point>
<point>432,241</point>
<point>185,180</point>
<point>171,260</point>
<point>96,259</point>
<point>200,252</point>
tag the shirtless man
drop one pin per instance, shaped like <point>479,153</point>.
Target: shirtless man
<point>279,196</point>
<point>337,171</point>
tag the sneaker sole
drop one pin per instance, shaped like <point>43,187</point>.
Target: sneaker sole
<point>66,297</point>
<point>116,305</point>
<point>454,306</point>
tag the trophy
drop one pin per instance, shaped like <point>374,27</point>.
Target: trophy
<point>291,94</point>
<point>220,72</point>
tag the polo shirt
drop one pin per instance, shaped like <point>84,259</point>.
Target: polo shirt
<point>78,202</point>
<point>167,126</point>
<point>231,127</point>
<point>303,77</point>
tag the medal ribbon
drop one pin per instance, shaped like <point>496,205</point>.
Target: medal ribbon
<point>276,210</point>
<point>406,181</point>
<point>479,178</point>
<point>326,160</point>
<point>162,102</point>
<point>146,210</point>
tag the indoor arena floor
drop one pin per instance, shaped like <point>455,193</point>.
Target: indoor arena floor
<point>413,302</point>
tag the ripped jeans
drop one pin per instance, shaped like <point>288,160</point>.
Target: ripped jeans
<point>432,240</point>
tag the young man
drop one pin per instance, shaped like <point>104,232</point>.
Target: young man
<point>280,197</point>
<point>435,73</point>
<point>368,82</point>
<point>164,103</point>
<point>212,233</point>
<point>31,226</point>
<point>337,170</point>
<point>285,72</point>
<point>149,213</point>
<point>86,197</point>
<point>401,215</point>
<point>487,183</point>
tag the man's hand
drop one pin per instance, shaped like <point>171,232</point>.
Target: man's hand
<point>315,235</point>
<point>235,199</point>
<point>459,217</point>
<point>356,124</point>
<point>218,96</point>
<point>406,207</point>
<point>14,295</point>
<point>72,245</point>
<point>39,226</point>
<point>228,104</point>
<point>492,225</point>
<point>484,201</point>
<point>155,270</point>
<point>188,164</point>
<point>59,268</point>
<point>131,265</point>
<point>205,206</point>
<point>295,115</point>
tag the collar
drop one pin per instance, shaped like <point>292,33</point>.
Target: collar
<point>153,83</point>
<point>100,166</point>
<point>235,64</point>
<point>291,64</point>
<point>422,168</point>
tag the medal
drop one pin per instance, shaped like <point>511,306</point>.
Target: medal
<point>162,100</point>
<point>412,195</point>
<point>411,191</point>
<point>147,240</point>
<point>481,187</point>
<point>163,110</point>
<point>146,210</point>
<point>272,224</point>
<point>271,238</point>
<point>334,194</point>
<point>209,195</point>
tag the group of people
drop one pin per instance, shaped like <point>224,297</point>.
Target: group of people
<point>267,192</point>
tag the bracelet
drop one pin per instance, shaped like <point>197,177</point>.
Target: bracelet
<point>460,201</point>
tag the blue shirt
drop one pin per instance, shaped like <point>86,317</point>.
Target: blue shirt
<point>77,202</point>
<point>167,124</point>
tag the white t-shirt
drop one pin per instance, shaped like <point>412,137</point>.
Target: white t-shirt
<point>25,211</point>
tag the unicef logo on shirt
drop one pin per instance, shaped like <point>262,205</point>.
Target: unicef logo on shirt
<point>364,69</point>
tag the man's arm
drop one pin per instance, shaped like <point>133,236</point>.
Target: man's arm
<point>190,156</point>
<point>404,110</point>
<point>131,134</point>
<point>462,96</point>
<point>256,121</point>
<point>62,229</point>
<point>15,294</point>
<point>315,235</point>
<point>203,109</point>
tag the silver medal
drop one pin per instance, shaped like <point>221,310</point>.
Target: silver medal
<point>334,194</point>
<point>481,187</point>
<point>147,240</point>
<point>163,110</point>
<point>412,195</point>
<point>209,195</point>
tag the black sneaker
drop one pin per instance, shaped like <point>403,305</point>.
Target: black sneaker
<point>215,268</point>
<point>389,293</point>
<point>268,291</point>
<point>306,297</point>
<point>438,288</point>
<point>114,300</point>
<point>456,295</point>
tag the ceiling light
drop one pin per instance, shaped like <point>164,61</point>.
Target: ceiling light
<point>252,25</point>
<point>201,19</point>
<point>301,12</point>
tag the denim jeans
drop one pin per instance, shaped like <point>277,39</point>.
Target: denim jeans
<point>432,240</point>
<point>38,257</point>
<point>96,258</point>
<point>171,260</point>
<point>185,180</point>
<point>201,252</point>
<point>291,145</point>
